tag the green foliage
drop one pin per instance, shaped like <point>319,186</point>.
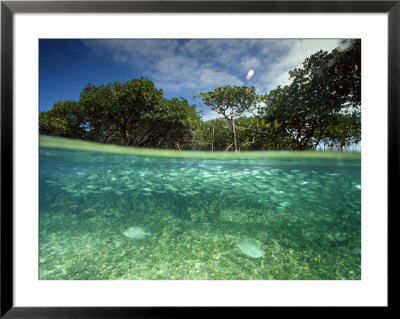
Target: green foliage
<point>321,106</point>
<point>256,134</point>
<point>172,124</point>
<point>64,119</point>
<point>114,110</point>
<point>344,130</point>
<point>345,72</point>
<point>231,102</point>
<point>319,97</point>
<point>217,134</point>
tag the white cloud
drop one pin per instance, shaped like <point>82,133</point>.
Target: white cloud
<point>210,115</point>
<point>199,65</point>
<point>294,54</point>
<point>177,73</point>
<point>186,67</point>
<point>248,63</point>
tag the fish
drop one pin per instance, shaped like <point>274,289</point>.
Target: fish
<point>136,233</point>
<point>250,247</point>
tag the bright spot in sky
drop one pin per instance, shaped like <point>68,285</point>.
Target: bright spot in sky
<point>249,74</point>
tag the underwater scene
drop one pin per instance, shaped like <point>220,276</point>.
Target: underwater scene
<point>154,215</point>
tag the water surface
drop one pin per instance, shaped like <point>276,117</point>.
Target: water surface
<point>302,209</point>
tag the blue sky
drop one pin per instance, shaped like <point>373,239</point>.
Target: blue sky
<point>181,67</point>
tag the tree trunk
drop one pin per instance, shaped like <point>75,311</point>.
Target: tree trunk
<point>126,137</point>
<point>234,134</point>
<point>212,140</point>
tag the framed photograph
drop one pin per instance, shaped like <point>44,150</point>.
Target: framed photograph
<point>164,155</point>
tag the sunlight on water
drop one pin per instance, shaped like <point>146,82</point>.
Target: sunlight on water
<point>299,214</point>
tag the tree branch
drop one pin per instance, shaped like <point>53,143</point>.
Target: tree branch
<point>230,146</point>
<point>254,138</point>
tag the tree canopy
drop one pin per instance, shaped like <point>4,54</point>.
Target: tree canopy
<point>231,102</point>
<point>320,107</point>
<point>114,110</point>
<point>64,119</point>
<point>323,95</point>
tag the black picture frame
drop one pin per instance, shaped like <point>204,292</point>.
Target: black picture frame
<point>9,8</point>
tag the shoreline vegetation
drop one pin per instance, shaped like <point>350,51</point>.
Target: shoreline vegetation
<point>319,110</point>
<point>75,144</point>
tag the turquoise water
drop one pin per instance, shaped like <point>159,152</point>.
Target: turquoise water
<point>302,213</point>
